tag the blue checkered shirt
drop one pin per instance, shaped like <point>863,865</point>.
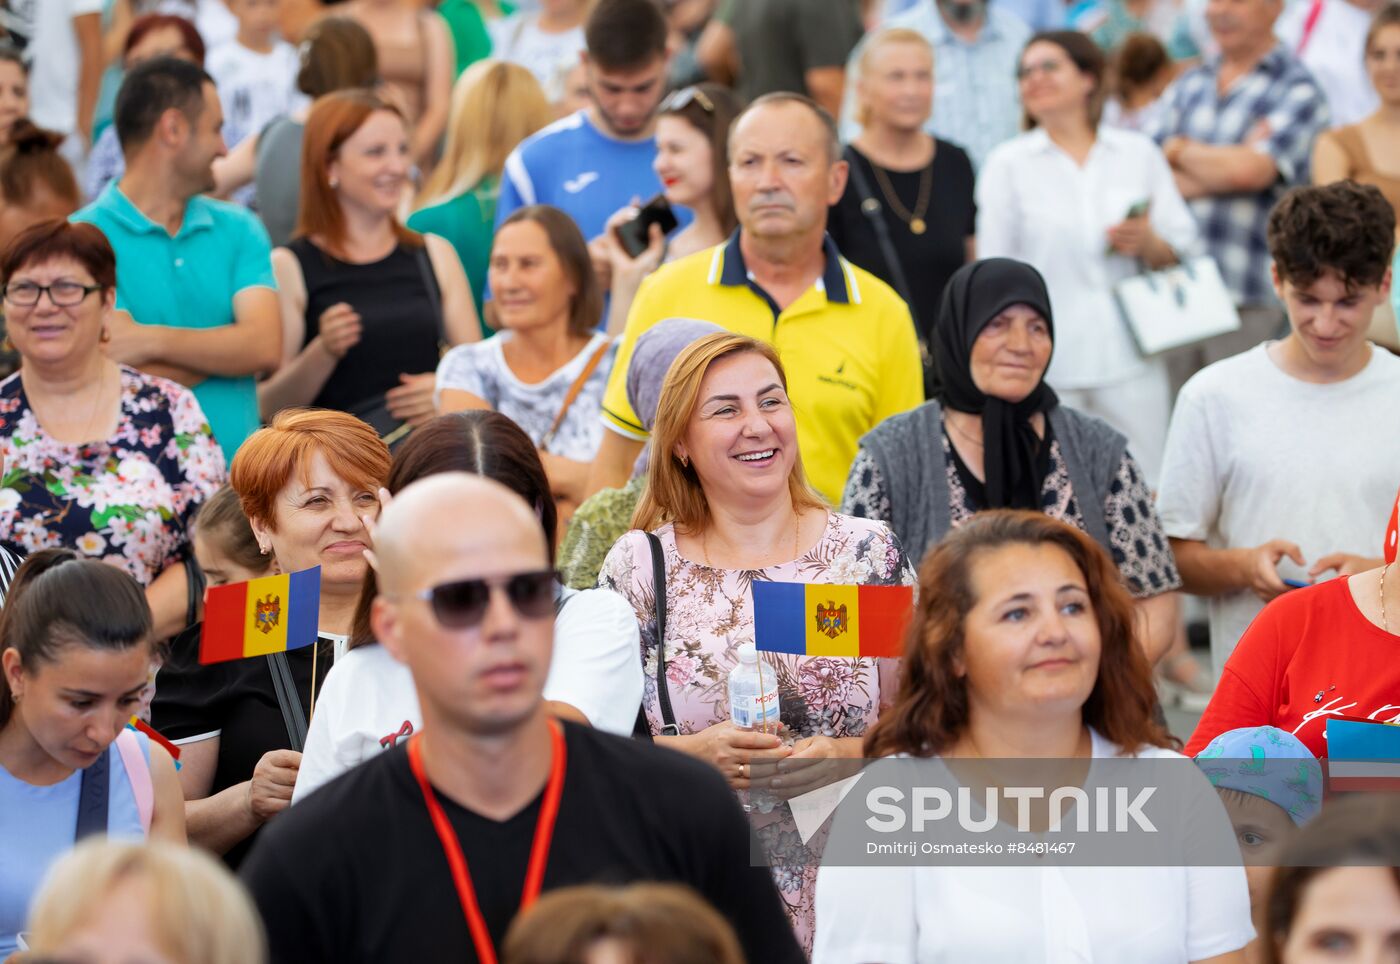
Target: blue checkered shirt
<point>1278,91</point>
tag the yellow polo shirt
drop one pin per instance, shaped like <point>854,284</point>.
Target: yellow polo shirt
<point>848,345</point>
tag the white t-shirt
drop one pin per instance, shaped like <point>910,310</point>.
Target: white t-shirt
<point>1035,204</point>
<point>549,56</point>
<point>254,88</point>
<point>1335,54</point>
<point>53,75</point>
<point>480,368</point>
<point>1147,915</point>
<point>1254,454</point>
<point>368,702</point>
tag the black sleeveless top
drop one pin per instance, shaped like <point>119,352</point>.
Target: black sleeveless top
<point>400,329</point>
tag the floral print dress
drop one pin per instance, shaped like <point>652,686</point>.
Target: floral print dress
<point>709,615</point>
<point>126,501</point>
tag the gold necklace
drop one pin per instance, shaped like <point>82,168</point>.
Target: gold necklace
<point>92,414</point>
<point>974,441</point>
<point>796,539</point>
<point>914,218</point>
<point>1385,622</point>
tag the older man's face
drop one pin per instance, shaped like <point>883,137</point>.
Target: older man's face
<point>782,173</point>
<point>1241,24</point>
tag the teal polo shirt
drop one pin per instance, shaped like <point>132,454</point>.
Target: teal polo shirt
<point>188,281</point>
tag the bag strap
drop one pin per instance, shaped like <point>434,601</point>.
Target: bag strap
<point>663,691</point>
<point>138,774</point>
<point>872,209</point>
<point>92,800</point>
<point>430,285</point>
<point>194,590</point>
<point>573,392</point>
<point>287,699</point>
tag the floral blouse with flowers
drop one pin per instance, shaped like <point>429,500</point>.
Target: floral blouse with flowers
<point>709,615</point>
<point>126,501</point>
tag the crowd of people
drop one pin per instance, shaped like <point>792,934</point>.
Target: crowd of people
<point>536,334</point>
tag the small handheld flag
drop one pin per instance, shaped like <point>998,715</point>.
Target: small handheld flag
<point>1362,755</point>
<point>261,616</point>
<point>805,619</point>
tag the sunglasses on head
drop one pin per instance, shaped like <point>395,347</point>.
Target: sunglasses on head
<point>680,99</point>
<point>462,604</point>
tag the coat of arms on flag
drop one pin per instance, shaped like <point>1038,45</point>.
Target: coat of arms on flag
<point>268,612</point>
<point>831,619</point>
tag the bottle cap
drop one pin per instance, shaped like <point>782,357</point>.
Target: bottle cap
<point>748,653</point>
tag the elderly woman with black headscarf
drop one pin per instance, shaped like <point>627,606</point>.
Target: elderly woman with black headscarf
<point>995,436</point>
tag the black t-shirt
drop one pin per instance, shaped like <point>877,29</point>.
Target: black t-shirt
<point>235,701</point>
<point>355,872</point>
<point>928,259</point>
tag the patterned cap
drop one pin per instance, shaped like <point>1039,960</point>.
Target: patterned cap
<point>1267,762</point>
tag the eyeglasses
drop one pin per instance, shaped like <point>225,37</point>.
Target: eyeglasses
<point>1048,67</point>
<point>682,98</point>
<point>63,294</point>
<point>463,604</point>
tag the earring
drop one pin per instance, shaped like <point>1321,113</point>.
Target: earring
<point>685,461</point>
<point>106,336</point>
<point>335,183</point>
<point>262,548</point>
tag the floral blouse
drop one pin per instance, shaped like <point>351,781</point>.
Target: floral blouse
<point>709,615</point>
<point>1139,545</point>
<point>126,501</point>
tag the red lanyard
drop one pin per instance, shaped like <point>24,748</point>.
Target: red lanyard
<point>452,848</point>
<point>1309,25</point>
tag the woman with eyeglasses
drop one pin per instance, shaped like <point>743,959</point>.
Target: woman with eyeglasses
<point>97,457</point>
<point>692,162</point>
<point>907,215</point>
<point>595,676</point>
<point>306,484</point>
<point>1090,206</point>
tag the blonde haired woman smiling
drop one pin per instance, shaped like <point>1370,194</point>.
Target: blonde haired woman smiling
<point>727,503</point>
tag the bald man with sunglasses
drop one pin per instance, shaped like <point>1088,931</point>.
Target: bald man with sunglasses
<point>428,851</point>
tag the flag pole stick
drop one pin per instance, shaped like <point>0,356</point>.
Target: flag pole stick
<point>315,650</point>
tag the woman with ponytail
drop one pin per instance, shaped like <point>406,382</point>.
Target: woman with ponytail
<point>77,653</point>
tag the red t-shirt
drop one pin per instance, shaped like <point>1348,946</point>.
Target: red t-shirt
<point>1309,655</point>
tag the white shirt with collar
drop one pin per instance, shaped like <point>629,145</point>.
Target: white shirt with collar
<point>1035,204</point>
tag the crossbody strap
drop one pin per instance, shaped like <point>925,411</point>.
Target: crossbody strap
<point>92,799</point>
<point>430,285</point>
<point>872,209</point>
<point>138,774</point>
<point>669,726</point>
<point>287,699</point>
<point>573,392</point>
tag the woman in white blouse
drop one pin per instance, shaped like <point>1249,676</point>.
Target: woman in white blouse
<point>1088,206</point>
<point>1024,649</point>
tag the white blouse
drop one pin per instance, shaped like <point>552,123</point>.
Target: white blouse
<point>1051,914</point>
<point>1035,204</point>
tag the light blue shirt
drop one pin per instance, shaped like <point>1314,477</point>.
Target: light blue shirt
<point>37,826</point>
<point>976,100</point>
<point>189,281</point>
<point>1037,14</point>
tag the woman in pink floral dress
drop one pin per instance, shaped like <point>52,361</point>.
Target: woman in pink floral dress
<point>96,456</point>
<point>728,500</point>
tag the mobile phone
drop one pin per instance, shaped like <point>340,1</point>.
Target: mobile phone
<point>635,235</point>
<point>1139,209</point>
<point>1296,583</point>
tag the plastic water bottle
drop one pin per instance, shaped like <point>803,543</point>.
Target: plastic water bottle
<point>753,705</point>
<point>753,694</point>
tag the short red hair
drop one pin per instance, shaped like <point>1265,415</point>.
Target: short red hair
<point>333,120</point>
<point>266,461</point>
<point>57,238</point>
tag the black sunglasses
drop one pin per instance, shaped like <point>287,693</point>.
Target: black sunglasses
<point>462,604</point>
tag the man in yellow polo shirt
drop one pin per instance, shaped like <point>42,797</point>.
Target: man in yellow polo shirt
<point>845,337</point>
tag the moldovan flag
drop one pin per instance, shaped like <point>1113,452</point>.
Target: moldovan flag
<point>261,616</point>
<point>1362,755</point>
<point>805,619</point>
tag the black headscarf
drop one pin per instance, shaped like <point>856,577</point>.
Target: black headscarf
<point>976,294</point>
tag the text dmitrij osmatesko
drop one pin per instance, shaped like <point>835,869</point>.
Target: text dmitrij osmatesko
<point>1107,810</point>
<point>927,848</point>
